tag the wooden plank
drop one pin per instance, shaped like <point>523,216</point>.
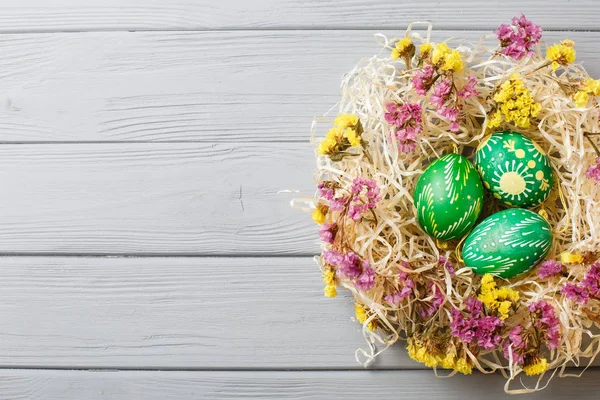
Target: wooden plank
<point>151,198</point>
<point>208,313</point>
<point>186,86</point>
<point>78,15</point>
<point>290,385</point>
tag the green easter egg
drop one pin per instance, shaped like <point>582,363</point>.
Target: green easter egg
<point>515,169</point>
<point>448,197</point>
<point>508,243</point>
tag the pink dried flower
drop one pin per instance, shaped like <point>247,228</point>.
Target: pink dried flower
<point>593,171</point>
<point>519,39</point>
<point>451,114</point>
<point>361,188</point>
<point>575,293</point>
<point>407,287</point>
<point>469,90</point>
<point>549,268</point>
<point>477,327</point>
<point>591,281</point>
<point>327,232</point>
<point>366,280</point>
<point>326,192</point>
<point>407,122</point>
<point>436,302</point>
<point>423,80</point>
<point>515,344</point>
<point>333,257</point>
<point>448,265</point>
<point>547,321</point>
<point>441,93</point>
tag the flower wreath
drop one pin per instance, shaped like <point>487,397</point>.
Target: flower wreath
<point>383,231</point>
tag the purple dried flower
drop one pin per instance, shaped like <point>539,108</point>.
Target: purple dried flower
<point>436,302</point>
<point>448,265</point>
<point>549,268</point>
<point>515,344</point>
<point>469,90</point>
<point>333,257</point>
<point>593,171</point>
<point>477,327</point>
<point>407,122</point>
<point>591,281</point>
<point>441,93</point>
<point>575,293</point>
<point>547,321</point>
<point>423,80</point>
<point>326,192</point>
<point>366,279</point>
<point>367,187</point>
<point>350,266</point>
<point>327,232</point>
<point>519,39</point>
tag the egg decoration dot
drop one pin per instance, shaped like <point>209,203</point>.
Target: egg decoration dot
<point>514,169</point>
<point>448,197</point>
<point>507,243</point>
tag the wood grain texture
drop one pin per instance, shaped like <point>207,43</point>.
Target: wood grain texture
<point>187,86</point>
<point>162,198</point>
<point>203,313</point>
<point>81,15</point>
<point>290,385</point>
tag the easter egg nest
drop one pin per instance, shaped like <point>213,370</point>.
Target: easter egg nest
<point>414,103</point>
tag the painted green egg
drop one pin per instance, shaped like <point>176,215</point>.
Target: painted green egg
<point>448,197</point>
<point>508,243</point>
<point>515,169</point>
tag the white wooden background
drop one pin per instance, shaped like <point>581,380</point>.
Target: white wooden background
<point>144,251</point>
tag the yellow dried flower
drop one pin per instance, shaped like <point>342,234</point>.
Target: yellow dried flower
<point>581,98</point>
<point>463,366</point>
<point>453,62</point>
<point>561,53</point>
<point>439,52</point>
<point>571,258</point>
<point>343,121</point>
<point>448,362</point>
<point>361,316</point>
<point>318,216</point>
<point>494,298</point>
<point>592,86</point>
<point>352,137</point>
<point>425,48</point>
<point>403,47</point>
<point>495,120</point>
<point>514,103</point>
<point>539,366</point>
<point>330,291</point>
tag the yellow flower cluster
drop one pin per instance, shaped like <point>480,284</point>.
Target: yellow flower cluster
<point>329,280</point>
<point>361,316</point>
<point>403,47</point>
<point>538,367</point>
<point>571,258</point>
<point>319,214</point>
<point>425,49</point>
<point>346,132</point>
<point>561,53</point>
<point>497,299</point>
<point>592,87</point>
<point>450,60</point>
<point>515,103</point>
<point>418,352</point>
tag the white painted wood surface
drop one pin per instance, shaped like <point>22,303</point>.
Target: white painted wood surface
<point>117,141</point>
<point>82,15</point>
<point>188,86</point>
<point>279,385</point>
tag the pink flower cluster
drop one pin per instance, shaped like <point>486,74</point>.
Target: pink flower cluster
<point>327,232</point>
<point>371,191</point>
<point>519,39</point>
<point>407,287</point>
<point>515,345</point>
<point>593,171</point>
<point>349,265</point>
<point>436,302</point>
<point>441,98</point>
<point>407,122</point>
<point>547,321</point>
<point>423,79</point>
<point>549,268</point>
<point>589,286</point>
<point>477,327</point>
